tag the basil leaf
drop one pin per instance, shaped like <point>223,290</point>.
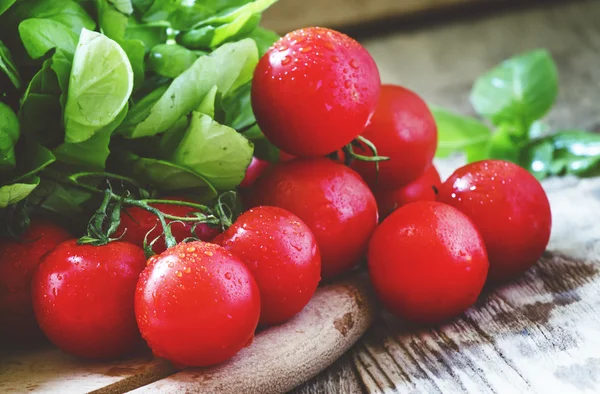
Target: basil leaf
<point>458,133</point>
<point>113,23</point>
<point>519,91</point>
<point>164,175</point>
<point>100,69</point>
<point>170,60</point>
<point>123,6</point>
<point>503,145</point>
<point>238,108</point>
<point>5,5</point>
<point>13,193</point>
<point>92,153</point>
<point>264,39</point>
<point>65,201</point>
<point>9,135</point>
<point>228,67</point>
<point>41,35</point>
<point>151,34</point>
<point>263,148</point>
<point>216,152</point>
<point>181,14</point>
<point>537,158</point>
<point>229,25</point>
<point>8,67</point>
<point>67,12</point>
<point>35,159</point>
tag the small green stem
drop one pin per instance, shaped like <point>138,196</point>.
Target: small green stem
<point>75,177</point>
<point>199,207</point>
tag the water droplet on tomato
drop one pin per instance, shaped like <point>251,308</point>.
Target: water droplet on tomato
<point>55,291</point>
<point>229,316</point>
<point>282,48</point>
<point>345,71</point>
<point>228,275</point>
<point>354,64</point>
<point>191,249</point>
<point>305,49</point>
<point>187,270</point>
<point>171,265</point>
<point>347,84</point>
<point>178,274</point>
<point>286,60</point>
<point>335,59</point>
<point>182,255</point>
<point>208,253</point>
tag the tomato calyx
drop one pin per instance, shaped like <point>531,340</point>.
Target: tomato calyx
<point>359,143</point>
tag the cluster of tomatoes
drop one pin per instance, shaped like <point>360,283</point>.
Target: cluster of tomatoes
<point>198,303</point>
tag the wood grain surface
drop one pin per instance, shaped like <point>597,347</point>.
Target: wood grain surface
<point>279,359</point>
<point>537,320</point>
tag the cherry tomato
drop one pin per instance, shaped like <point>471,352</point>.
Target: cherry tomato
<point>404,130</point>
<point>421,189</point>
<point>331,199</point>
<point>18,261</point>
<point>83,298</point>
<point>197,304</point>
<point>510,209</point>
<point>138,224</point>
<point>314,91</point>
<point>427,262</point>
<point>284,258</point>
<point>253,172</point>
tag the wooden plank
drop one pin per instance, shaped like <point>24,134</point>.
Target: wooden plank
<point>283,357</point>
<point>537,334</point>
<point>48,370</point>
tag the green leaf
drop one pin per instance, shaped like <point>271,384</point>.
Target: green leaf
<point>41,35</point>
<point>537,158</point>
<point>458,133</point>
<point>5,5</point>
<point>170,60</point>
<point>135,51</point>
<point>8,67</point>
<point>41,116</point>
<point>151,34</point>
<point>521,90</point>
<point>164,175</point>
<point>61,63</point>
<point>68,12</point>
<point>13,193</point>
<point>9,135</point>
<point>263,148</point>
<point>264,39</point>
<point>238,108</point>
<point>123,6</point>
<point>35,158</point>
<point>101,69</point>
<point>113,23</point>
<point>229,25</point>
<point>141,110</point>
<point>65,201</point>
<point>503,145</point>
<point>182,15</point>
<point>228,67</point>
<point>216,152</point>
<point>92,153</point>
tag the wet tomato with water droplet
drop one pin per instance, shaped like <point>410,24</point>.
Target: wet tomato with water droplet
<point>427,262</point>
<point>197,304</point>
<point>282,254</point>
<point>402,129</point>
<point>333,201</point>
<point>314,91</point>
<point>83,298</point>
<point>422,189</point>
<point>509,207</point>
<point>18,261</point>
<point>137,224</point>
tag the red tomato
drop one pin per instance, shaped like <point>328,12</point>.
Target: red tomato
<point>331,199</point>
<point>404,130</point>
<point>253,172</point>
<point>285,156</point>
<point>421,189</point>
<point>314,91</point>
<point>137,223</point>
<point>284,258</point>
<point>427,262</point>
<point>510,209</point>
<point>197,304</point>
<point>83,298</point>
<point>18,262</point>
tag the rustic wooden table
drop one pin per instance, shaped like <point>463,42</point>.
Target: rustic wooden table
<point>542,333</point>
<point>539,334</point>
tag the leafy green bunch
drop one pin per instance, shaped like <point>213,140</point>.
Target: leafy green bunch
<point>513,98</point>
<point>152,90</point>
